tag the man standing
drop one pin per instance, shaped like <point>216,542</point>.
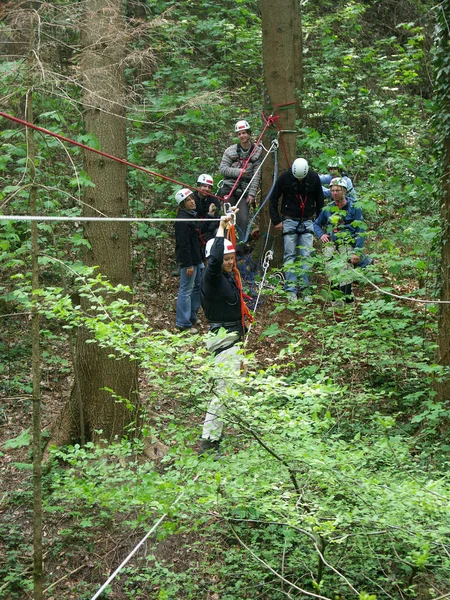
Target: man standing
<point>302,199</point>
<point>207,207</point>
<point>221,302</point>
<point>341,227</point>
<point>240,163</point>
<point>189,258</point>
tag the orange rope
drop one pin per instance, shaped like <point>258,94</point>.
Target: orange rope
<point>247,317</point>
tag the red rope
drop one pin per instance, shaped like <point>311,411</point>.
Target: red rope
<point>269,122</point>
<point>246,315</point>
<point>105,154</point>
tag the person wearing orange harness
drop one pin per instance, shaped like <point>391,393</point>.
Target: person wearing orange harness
<point>302,198</point>
<point>221,302</point>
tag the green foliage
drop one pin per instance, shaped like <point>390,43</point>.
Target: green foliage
<point>336,475</point>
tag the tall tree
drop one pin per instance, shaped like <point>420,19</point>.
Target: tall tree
<point>442,90</point>
<point>282,65</point>
<point>95,413</point>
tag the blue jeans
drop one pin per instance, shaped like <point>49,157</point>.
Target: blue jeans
<point>298,241</point>
<point>188,301</point>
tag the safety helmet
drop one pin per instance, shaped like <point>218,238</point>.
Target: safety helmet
<point>181,195</point>
<point>335,163</point>
<point>339,181</point>
<point>205,179</point>
<point>300,168</point>
<point>242,126</point>
<point>228,247</point>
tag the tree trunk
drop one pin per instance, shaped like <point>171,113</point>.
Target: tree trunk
<point>103,416</point>
<point>442,94</point>
<point>282,63</point>
<point>443,388</point>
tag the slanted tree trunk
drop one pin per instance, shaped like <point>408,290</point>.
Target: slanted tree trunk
<point>93,412</point>
<point>282,64</point>
<point>442,92</point>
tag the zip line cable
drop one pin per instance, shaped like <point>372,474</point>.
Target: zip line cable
<point>108,219</point>
<point>136,548</point>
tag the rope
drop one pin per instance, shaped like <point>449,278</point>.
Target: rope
<point>136,548</point>
<point>409,298</point>
<point>246,315</point>
<point>268,257</point>
<point>269,122</point>
<point>105,154</point>
<point>75,219</point>
<point>274,146</point>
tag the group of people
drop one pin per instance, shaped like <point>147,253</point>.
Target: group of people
<point>301,214</point>
<point>297,209</point>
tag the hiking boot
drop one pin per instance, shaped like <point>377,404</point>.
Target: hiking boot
<point>210,447</point>
<point>192,330</point>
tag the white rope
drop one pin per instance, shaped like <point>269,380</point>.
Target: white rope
<point>136,548</point>
<point>409,298</point>
<point>113,219</point>
<point>266,263</point>
<point>274,142</point>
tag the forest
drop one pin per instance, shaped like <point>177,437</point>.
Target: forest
<point>333,480</point>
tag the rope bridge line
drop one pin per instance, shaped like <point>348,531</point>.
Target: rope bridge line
<point>100,152</point>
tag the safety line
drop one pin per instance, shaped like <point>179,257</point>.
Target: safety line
<point>105,154</point>
<point>270,120</point>
<point>399,297</point>
<point>108,219</point>
<point>136,548</point>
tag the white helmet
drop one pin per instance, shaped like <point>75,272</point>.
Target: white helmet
<point>300,168</point>
<point>205,179</point>
<point>241,126</point>
<point>181,195</point>
<point>228,247</point>
<point>339,181</point>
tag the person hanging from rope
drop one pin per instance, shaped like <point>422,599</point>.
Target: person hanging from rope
<point>302,199</point>
<point>222,303</point>
<point>206,206</point>
<point>239,166</point>
<point>189,257</point>
<point>336,168</point>
<point>340,227</point>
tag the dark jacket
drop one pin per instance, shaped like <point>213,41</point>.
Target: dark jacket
<point>302,200</point>
<point>187,240</point>
<point>219,293</point>
<point>347,224</point>
<point>208,228</point>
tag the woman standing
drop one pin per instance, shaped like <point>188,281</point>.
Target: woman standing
<point>189,257</point>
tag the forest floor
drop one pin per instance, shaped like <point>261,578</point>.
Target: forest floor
<point>70,564</point>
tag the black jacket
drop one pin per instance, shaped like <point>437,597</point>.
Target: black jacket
<point>187,240</point>
<point>219,293</point>
<point>208,228</point>
<point>302,200</point>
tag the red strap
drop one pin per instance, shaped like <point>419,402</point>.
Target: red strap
<point>245,312</point>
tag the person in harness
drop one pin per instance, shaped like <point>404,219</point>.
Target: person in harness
<point>221,303</point>
<point>302,199</point>
<point>234,167</point>
<point>189,257</point>
<point>340,227</point>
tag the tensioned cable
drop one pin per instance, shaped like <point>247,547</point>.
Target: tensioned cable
<point>105,154</point>
<point>136,548</point>
<point>119,219</point>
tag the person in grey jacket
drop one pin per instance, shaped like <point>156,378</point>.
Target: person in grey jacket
<point>240,162</point>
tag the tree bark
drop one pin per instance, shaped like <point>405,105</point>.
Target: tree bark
<point>103,416</point>
<point>442,94</point>
<point>282,64</point>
